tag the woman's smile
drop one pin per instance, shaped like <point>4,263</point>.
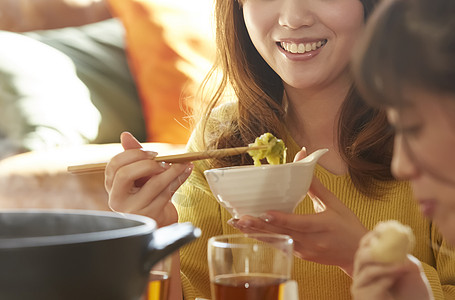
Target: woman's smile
<point>301,50</point>
<point>301,47</point>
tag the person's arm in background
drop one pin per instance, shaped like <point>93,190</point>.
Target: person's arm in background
<point>28,15</point>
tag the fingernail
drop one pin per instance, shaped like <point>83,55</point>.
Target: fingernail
<point>189,169</point>
<point>266,218</point>
<point>318,205</point>
<point>151,154</point>
<point>165,165</point>
<point>232,222</point>
<point>316,198</point>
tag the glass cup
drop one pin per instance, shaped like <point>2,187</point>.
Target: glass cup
<point>250,266</point>
<point>159,280</point>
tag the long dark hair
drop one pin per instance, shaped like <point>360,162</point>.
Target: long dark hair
<point>364,139</point>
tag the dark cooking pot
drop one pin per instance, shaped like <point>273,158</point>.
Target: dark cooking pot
<point>84,255</point>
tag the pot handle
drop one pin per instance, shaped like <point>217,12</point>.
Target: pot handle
<point>168,239</point>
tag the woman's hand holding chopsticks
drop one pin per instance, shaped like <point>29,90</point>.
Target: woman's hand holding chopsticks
<point>140,185</point>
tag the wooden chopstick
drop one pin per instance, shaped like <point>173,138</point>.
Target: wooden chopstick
<point>175,158</point>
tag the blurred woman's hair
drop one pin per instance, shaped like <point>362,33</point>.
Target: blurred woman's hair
<point>408,43</point>
<point>364,138</point>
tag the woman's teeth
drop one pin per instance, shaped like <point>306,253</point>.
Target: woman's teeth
<point>302,47</point>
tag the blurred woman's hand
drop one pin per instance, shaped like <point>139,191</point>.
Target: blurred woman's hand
<point>138,184</point>
<point>374,280</point>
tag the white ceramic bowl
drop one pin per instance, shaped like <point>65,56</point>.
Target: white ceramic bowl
<point>250,190</point>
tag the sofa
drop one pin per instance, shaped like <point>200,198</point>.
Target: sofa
<point>159,50</point>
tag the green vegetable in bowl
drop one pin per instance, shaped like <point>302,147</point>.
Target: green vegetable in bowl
<point>275,153</point>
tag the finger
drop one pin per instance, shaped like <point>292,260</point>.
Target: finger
<point>362,256</point>
<point>163,186</point>
<point>318,205</point>
<point>321,195</point>
<point>159,208</point>
<point>379,274</point>
<point>280,222</point>
<point>124,184</point>
<point>175,185</point>
<point>246,223</point>
<point>413,264</point>
<point>246,229</point>
<point>366,267</point>
<point>377,289</point>
<point>301,154</point>
<point>128,141</point>
<point>123,159</point>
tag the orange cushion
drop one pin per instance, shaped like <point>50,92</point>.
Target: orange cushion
<point>170,47</point>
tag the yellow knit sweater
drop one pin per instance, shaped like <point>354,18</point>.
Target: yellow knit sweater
<point>196,204</point>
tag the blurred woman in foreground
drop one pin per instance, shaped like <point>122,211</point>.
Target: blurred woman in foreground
<point>406,64</point>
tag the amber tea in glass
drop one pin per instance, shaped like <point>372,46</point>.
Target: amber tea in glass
<point>249,267</point>
<point>159,281</point>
